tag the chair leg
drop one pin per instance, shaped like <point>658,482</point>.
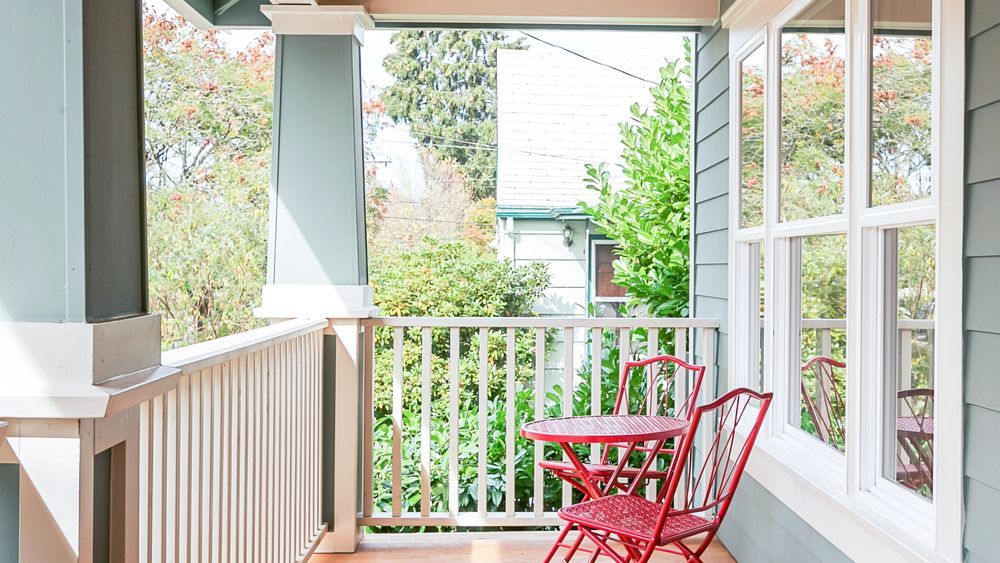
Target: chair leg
<point>574,547</point>
<point>558,543</point>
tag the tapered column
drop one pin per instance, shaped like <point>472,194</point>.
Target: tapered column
<point>317,260</point>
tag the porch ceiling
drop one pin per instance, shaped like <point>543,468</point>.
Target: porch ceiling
<point>557,13</point>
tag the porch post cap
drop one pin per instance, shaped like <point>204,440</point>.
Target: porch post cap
<point>298,19</point>
<point>288,301</point>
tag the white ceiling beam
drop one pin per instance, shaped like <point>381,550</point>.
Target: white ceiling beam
<point>533,12</point>
<point>288,19</point>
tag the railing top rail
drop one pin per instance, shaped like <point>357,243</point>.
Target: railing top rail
<point>903,324</point>
<point>540,322</point>
<point>205,354</point>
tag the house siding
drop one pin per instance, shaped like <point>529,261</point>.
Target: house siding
<point>759,527</point>
<point>982,268</point>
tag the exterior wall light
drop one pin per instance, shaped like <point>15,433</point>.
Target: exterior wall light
<point>568,235</point>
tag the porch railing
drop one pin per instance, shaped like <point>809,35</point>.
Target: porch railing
<point>415,484</point>
<point>229,461</point>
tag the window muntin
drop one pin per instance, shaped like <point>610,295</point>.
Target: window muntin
<point>901,74</point>
<point>811,149</point>
<point>760,329</point>
<point>908,324</point>
<point>819,393</point>
<point>752,138</point>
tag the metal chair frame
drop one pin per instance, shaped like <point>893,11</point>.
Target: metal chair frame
<point>653,403</point>
<point>702,492</point>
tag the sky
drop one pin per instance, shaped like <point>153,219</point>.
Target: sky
<point>395,152</point>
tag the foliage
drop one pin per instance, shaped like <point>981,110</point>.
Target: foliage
<point>451,279</point>
<point>208,139</point>
<point>812,125</point>
<point>649,217</point>
<point>445,90</point>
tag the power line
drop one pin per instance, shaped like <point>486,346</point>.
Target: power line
<point>436,220</point>
<point>586,58</point>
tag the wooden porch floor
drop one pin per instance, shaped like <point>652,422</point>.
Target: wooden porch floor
<point>493,547</point>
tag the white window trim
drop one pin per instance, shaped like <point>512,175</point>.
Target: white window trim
<point>594,298</point>
<point>875,520</point>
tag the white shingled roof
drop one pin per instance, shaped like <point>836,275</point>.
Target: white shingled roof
<point>557,112</point>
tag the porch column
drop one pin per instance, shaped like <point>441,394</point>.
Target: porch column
<point>73,307</point>
<point>317,260</point>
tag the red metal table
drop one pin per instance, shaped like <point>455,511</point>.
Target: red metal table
<point>630,430</point>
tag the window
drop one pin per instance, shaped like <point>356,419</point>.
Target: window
<point>901,101</point>
<point>752,139</point>
<point>908,418</point>
<point>812,112</point>
<point>604,272</point>
<point>819,408</point>
<point>845,321</point>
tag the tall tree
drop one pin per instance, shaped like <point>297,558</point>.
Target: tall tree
<point>208,140</point>
<point>445,90</point>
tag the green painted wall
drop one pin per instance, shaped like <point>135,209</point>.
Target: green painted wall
<point>317,229</point>
<point>71,183</point>
<point>982,268</point>
<point>759,527</point>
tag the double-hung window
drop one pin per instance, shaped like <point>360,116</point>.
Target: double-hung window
<point>839,155</point>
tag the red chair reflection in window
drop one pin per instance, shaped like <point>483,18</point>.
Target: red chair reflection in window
<point>657,396</point>
<point>915,435</point>
<point>825,402</point>
<point>693,501</point>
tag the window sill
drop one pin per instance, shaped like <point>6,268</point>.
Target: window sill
<point>880,525</point>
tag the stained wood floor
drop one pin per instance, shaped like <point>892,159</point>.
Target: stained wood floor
<point>495,547</point>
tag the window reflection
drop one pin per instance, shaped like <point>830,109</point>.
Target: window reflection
<point>908,443</point>
<point>820,408</point>
<point>901,101</point>
<point>812,113</point>
<point>752,139</point>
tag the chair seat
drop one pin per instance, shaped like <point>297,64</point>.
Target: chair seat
<point>600,470</point>
<point>635,517</point>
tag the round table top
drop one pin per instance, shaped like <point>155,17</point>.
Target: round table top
<point>605,429</point>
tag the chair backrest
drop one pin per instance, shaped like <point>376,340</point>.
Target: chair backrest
<point>703,481</point>
<point>826,405</point>
<point>660,376</point>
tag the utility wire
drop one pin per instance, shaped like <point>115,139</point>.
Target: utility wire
<point>586,58</point>
<point>436,220</point>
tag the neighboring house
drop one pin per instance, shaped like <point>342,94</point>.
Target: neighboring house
<point>557,112</point>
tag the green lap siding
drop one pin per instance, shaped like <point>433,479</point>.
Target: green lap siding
<point>982,270</point>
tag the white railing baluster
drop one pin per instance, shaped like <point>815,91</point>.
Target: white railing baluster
<point>682,386</point>
<point>596,390</point>
<point>397,421</point>
<point>624,355</point>
<point>453,422</point>
<point>368,414</point>
<point>183,467</point>
<point>567,409</point>
<point>905,359</point>
<point>653,394</point>
<point>539,476</point>
<point>483,418</point>
<point>425,423</point>
<point>511,404</point>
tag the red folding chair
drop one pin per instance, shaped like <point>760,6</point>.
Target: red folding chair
<point>701,485</point>
<point>915,435</point>
<point>660,374</point>
<point>826,405</point>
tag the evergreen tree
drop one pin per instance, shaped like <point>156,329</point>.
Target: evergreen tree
<point>446,90</point>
